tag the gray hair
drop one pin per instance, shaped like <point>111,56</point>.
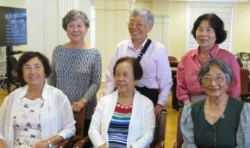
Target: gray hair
<point>221,64</point>
<point>73,15</point>
<point>148,16</point>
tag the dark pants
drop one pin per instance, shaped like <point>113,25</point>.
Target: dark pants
<point>152,94</point>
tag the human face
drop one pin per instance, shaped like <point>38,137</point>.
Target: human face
<point>33,72</point>
<point>205,35</point>
<point>124,78</point>
<point>138,28</point>
<point>214,82</point>
<point>76,31</point>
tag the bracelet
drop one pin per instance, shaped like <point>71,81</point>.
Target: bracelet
<point>49,144</point>
<point>160,105</point>
<point>84,101</point>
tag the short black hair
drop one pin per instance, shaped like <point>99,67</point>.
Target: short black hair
<point>26,56</point>
<point>137,69</point>
<point>216,23</point>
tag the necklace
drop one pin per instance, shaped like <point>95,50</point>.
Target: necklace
<point>213,115</point>
<point>216,111</point>
<point>33,97</point>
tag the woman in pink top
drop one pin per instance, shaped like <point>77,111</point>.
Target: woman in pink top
<point>208,31</point>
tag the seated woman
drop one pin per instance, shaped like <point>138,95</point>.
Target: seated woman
<point>37,115</point>
<point>219,120</point>
<point>124,118</point>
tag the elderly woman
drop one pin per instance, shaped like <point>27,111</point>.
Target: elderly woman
<point>208,31</point>
<point>220,120</point>
<point>124,118</point>
<point>37,115</point>
<point>156,81</point>
<point>76,66</point>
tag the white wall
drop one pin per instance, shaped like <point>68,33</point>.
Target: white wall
<point>45,22</point>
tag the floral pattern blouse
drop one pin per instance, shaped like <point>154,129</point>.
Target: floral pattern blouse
<point>27,127</point>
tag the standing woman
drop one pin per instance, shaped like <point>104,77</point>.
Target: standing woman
<point>76,66</point>
<point>208,31</point>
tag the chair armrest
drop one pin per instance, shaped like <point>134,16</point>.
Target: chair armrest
<point>63,143</point>
<point>82,142</point>
<point>68,142</point>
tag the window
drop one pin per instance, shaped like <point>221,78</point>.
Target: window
<point>224,10</point>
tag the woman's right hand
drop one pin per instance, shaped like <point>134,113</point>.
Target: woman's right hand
<point>78,106</point>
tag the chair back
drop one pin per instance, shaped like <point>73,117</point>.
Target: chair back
<point>244,77</point>
<point>160,127</point>
<point>80,122</point>
<point>179,139</point>
<point>172,58</point>
<point>80,118</point>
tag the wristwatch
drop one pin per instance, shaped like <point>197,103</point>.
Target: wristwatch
<point>50,144</point>
<point>84,101</point>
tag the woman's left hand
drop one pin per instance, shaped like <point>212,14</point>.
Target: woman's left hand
<point>41,144</point>
<point>78,106</point>
<point>158,109</point>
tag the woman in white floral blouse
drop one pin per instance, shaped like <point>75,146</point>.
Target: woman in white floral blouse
<point>37,115</point>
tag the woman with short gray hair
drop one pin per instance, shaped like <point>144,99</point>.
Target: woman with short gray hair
<point>219,120</point>
<point>76,66</point>
<point>72,15</point>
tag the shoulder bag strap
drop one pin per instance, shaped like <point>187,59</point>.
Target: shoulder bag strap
<point>143,50</point>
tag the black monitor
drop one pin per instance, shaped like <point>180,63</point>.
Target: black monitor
<point>13,26</point>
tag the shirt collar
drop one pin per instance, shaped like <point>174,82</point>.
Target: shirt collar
<point>25,89</point>
<point>213,52</point>
<point>131,45</point>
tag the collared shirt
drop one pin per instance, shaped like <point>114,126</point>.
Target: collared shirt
<point>188,68</point>
<point>156,69</point>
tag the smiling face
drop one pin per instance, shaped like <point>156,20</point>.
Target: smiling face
<point>76,30</point>
<point>124,77</point>
<point>205,35</point>
<point>214,82</point>
<point>33,72</point>
<point>138,28</point>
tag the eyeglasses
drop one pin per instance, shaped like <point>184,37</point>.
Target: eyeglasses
<point>218,79</point>
<point>137,25</point>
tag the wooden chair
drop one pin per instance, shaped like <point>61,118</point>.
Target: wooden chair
<point>173,61</point>
<point>69,143</point>
<point>160,130</point>
<point>244,76</point>
<point>172,58</point>
<point>179,139</point>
